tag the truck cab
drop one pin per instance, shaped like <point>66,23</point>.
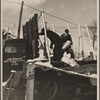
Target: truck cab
<point>15,52</point>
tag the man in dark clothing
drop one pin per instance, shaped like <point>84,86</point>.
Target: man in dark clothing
<point>67,42</point>
<point>56,41</point>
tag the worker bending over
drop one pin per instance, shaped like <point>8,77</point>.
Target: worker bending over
<point>56,41</point>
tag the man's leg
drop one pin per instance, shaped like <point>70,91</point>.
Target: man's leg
<point>56,52</point>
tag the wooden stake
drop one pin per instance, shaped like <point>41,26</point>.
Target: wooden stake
<point>53,27</point>
<point>68,27</point>
<point>30,88</point>
<point>79,45</point>
<point>90,41</point>
<point>81,40</point>
<point>45,36</point>
<point>11,81</point>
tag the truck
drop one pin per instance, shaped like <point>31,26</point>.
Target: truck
<point>41,79</point>
<point>17,51</point>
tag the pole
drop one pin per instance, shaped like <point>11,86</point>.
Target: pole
<point>11,82</point>
<point>79,45</point>
<point>47,43</point>
<point>45,36</point>
<point>68,27</point>
<point>90,41</point>
<point>20,18</point>
<point>53,27</point>
<point>41,25</point>
<point>81,40</point>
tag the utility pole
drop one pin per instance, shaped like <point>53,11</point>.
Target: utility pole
<point>20,18</point>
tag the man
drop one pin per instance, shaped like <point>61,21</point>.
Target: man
<point>56,41</point>
<point>67,42</point>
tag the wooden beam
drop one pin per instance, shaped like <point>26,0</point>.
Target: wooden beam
<point>45,36</point>
<point>90,41</point>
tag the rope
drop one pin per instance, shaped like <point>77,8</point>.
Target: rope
<point>11,76</point>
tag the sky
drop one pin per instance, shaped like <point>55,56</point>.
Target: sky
<point>74,11</point>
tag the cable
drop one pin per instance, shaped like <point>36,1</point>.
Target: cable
<point>45,13</point>
<point>48,14</point>
<point>11,2</point>
<point>52,15</point>
<point>32,7</point>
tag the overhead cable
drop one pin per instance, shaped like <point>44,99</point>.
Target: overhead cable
<point>44,12</point>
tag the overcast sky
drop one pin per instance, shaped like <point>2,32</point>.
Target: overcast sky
<point>74,11</point>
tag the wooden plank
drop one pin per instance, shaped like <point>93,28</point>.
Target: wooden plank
<point>16,79</point>
<point>30,82</point>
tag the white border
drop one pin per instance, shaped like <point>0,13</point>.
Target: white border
<point>1,52</point>
<point>98,49</point>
